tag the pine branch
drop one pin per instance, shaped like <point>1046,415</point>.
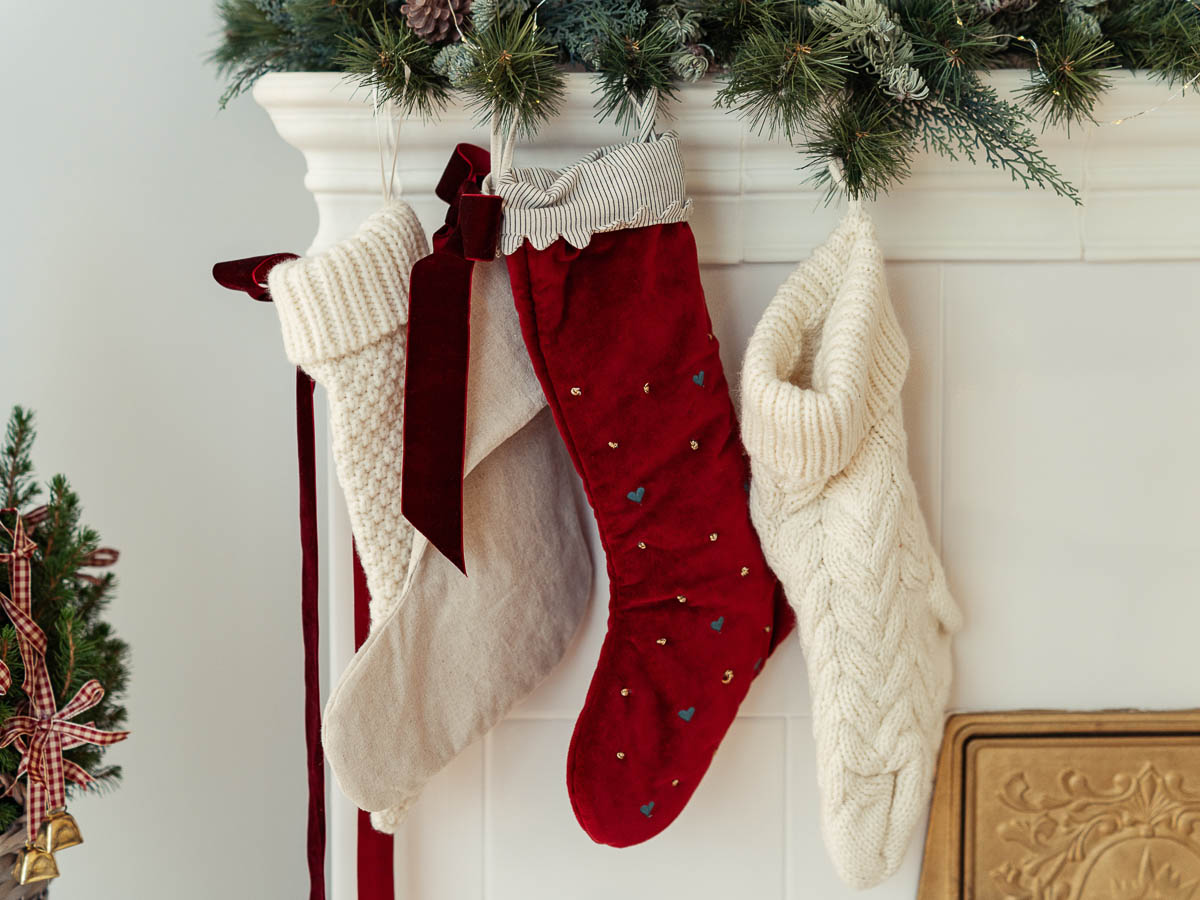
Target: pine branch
<point>951,41</point>
<point>512,76</point>
<point>868,139</point>
<point>875,32</point>
<point>1162,36</point>
<point>262,36</point>
<point>398,63</point>
<point>630,65</point>
<point>578,27</point>
<point>978,122</point>
<point>17,466</point>
<point>1072,78</point>
<point>67,605</point>
<point>782,74</point>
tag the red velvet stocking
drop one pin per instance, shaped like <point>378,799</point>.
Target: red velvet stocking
<point>622,343</point>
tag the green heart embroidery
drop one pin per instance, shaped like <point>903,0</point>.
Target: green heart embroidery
<point>686,714</point>
<point>636,496</point>
<point>699,378</point>
<point>647,808</point>
<point>718,623</point>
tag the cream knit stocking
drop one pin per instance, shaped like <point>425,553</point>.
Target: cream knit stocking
<point>836,509</point>
<point>343,315</point>
<point>448,656</point>
<point>455,654</point>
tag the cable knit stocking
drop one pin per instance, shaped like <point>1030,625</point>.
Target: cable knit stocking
<point>837,512</point>
<point>622,343</point>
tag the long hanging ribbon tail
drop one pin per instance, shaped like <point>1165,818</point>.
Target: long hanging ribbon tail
<point>250,275</point>
<point>376,878</point>
<point>311,625</point>
<point>439,340</point>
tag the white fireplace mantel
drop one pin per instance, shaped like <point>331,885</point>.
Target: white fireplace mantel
<point>1139,181</point>
<point>1051,433</point>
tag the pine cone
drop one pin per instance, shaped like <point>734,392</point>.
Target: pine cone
<point>434,20</point>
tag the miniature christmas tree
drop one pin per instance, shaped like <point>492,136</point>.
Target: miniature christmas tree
<point>68,599</point>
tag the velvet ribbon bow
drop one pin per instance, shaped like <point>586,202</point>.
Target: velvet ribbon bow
<point>439,337</point>
<point>249,274</point>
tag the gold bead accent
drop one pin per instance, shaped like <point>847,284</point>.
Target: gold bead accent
<point>711,337</point>
<point>646,388</point>
<point>695,445</point>
<point>674,782</point>
<point>613,444</point>
<point>745,571</point>
<point>641,545</point>
<point>575,392</point>
<point>767,629</point>
<point>620,755</point>
<point>713,536</point>
<point>681,598</point>
<point>662,642</point>
<point>727,677</point>
<point>624,692</point>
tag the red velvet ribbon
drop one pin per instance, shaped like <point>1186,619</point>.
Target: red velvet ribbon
<point>376,878</point>
<point>250,275</point>
<point>439,340</point>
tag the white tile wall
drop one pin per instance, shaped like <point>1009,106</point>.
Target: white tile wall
<point>1053,412</point>
<point>1071,493</point>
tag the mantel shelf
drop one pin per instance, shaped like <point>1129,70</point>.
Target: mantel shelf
<point>1140,182</point>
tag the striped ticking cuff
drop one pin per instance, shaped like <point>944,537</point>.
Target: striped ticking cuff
<point>622,186</point>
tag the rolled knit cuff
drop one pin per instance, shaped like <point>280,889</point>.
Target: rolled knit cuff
<point>826,360</point>
<point>354,293</point>
<point>623,186</point>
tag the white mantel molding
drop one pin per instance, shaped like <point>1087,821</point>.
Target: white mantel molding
<point>1140,181</point>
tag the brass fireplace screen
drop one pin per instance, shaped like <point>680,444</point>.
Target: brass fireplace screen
<point>1066,806</point>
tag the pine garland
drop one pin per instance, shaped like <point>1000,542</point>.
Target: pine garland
<point>68,601</point>
<point>868,83</point>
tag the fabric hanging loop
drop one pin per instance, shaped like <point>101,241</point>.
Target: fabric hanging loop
<point>837,174</point>
<point>387,173</point>
<point>504,147</point>
<point>647,111</point>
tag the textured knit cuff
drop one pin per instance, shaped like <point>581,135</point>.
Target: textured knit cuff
<point>623,186</point>
<point>352,294</point>
<point>826,361</point>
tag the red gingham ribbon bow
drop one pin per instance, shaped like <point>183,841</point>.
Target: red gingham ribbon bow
<point>43,759</point>
<point>49,730</point>
<point>19,606</point>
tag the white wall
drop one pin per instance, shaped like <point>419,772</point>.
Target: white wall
<point>169,403</point>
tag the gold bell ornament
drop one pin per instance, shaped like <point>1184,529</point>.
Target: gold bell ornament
<point>58,832</point>
<point>34,864</point>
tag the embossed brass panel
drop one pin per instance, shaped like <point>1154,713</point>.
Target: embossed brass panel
<point>1066,806</point>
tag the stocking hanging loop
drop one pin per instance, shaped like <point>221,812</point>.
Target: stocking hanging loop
<point>647,111</point>
<point>837,174</point>
<point>389,137</point>
<point>503,147</point>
